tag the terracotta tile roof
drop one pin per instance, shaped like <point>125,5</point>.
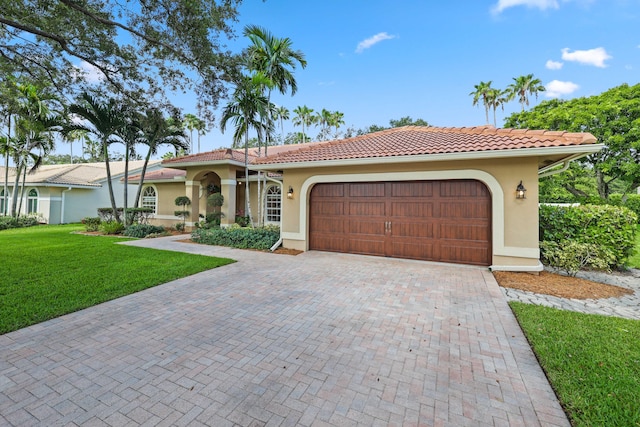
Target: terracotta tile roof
<point>422,140</point>
<point>160,174</point>
<point>211,156</point>
<point>236,154</point>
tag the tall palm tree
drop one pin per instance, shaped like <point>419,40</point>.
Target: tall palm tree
<point>524,86</point>
<point>190,123</point>
<point>304,118</point>
<point>201,128</point>
<point>323,118</point>
<point>337,119</point>
<point>282,114</point>
<point>481,93</point>
<point>497,98</point>
<point>35,122</point>
<point>157,131</point>
<point>105,121</point>
<point>276,59</point>
<point>130,134</point>
<point>245,111</point>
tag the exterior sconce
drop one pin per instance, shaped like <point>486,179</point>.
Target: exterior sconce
<point>290,193</point>
<point>520,191</point>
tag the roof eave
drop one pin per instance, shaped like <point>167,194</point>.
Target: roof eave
<point>186,165</point>
<point>571,150</point>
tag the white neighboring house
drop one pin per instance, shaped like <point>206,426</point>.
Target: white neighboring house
<point>67,193</point>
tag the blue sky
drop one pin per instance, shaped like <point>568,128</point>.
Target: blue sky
<point>378,60</point>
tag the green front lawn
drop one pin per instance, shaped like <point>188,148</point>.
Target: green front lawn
<point>48,272</point>
<point>593,362</point>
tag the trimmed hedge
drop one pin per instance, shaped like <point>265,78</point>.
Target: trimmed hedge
<point>7,222</point>
<point>238,237</point>
<point>142,230</point>
<point>611,227</point>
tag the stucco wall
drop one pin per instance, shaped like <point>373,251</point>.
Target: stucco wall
<point>514,222</point>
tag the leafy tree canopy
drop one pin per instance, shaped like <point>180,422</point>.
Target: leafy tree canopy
<point>138,48</point>
<point>613,117</point>
<point>403,121</point>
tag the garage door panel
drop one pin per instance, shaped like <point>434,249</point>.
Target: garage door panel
<point>328,208</point>
<point>367,190</point>
<point>462,189</point>
<point>329,243</point>
<point>471,255</point>
<point>367,208</point>
<point>411,230</point>
<point>424,251</point>
<point>412,189</point>
<point>328,225</point>
<point>467,232</point>
<point>420,210</point>
<point>365,246</point>
<point>374,227</point>
<point>328,191</point>
<point>463,210</point>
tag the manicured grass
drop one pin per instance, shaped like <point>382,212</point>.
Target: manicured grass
<point>634,261</point>
<point>593,362</point>
<point>48,272</point>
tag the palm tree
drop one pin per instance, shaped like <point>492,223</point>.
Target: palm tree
<point>282,114</point>
<point>201,127</point>
<point>246,110</point>
<point>191,122</point>
<point>105,121</point>
<point>130,135</point>
<point>323,118</point>
<point>303,117</point>
<point>337,119</point>
<point>481,92</point>
<point>35,121</point>
<point>496,98</point>
<point>156,131</point>
<point>276,59</point>
<point>524,86</point>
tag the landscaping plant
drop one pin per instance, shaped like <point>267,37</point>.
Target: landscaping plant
<point>238,237</point>
<point>183,201</point>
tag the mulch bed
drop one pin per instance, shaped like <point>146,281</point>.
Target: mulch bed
<point>559,285</point>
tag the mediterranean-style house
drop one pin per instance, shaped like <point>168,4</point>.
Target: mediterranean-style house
<point>457,195</point>
<point>69,192</point>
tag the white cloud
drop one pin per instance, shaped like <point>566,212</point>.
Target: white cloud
<point>595,57</point>
<point>540,4</point>
<point>554,65</point>
<point>556,88</point>
<point>367,43</point>
<point>90,73</point>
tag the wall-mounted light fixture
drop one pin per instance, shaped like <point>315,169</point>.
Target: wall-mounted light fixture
<point>290,193</point>
<point>520,191</point>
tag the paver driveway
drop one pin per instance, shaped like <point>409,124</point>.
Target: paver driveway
<point>316,339</point>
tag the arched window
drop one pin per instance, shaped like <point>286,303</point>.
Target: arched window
<point>32,201</point>
<point>150,198</point>
<point>274,203</point>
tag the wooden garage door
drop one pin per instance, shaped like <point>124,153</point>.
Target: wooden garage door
<point>448,221</point>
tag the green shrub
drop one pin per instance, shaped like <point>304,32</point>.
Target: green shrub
<point>237,237</point>
<point>7,222</point>
<point>571,256</point>
<point>142,230</point>
<point>139,215</point>
<point>111,227</point>
<point>106,214</point>
<point>179,227</point>
<point>611,227</point>
<point>91,223</point>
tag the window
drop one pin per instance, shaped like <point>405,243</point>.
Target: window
<point>274,201</point>
<point>32,201</point>
<point>149,198</point>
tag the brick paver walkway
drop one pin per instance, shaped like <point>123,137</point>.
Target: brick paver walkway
<point>317,339</point>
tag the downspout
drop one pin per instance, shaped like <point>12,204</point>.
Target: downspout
<point>62,207</point>
<point>279,242</point>
<point>548,171</point>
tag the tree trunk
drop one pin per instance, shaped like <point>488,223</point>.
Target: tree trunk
<point>109,184</point>
<point>603,187</point>
<point>136,203</point>
<point>5,208</point>
<point>14,193</point>
<point>575,191</point>
<point>126,184</point>
<point>23,188</point>
<point>247,201</point>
